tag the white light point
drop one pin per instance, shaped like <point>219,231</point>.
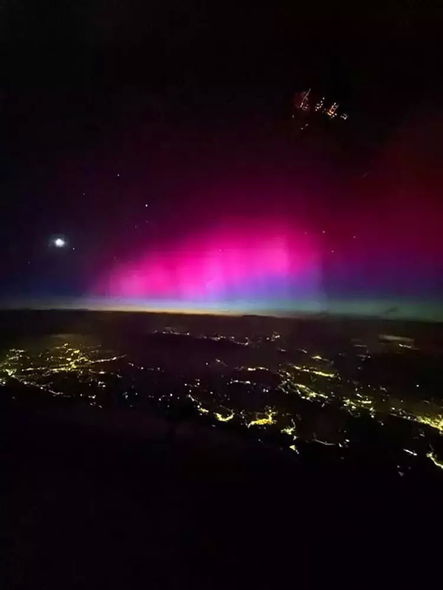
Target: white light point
<point>59,242</point>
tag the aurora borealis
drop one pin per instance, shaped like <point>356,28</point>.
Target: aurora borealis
<point>251,260</point>
<point>272,266</point>
<point>233,219</point>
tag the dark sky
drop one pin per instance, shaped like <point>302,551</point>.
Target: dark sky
<point>106,106</point>
<point>392,46</point>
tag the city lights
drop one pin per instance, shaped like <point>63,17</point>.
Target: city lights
<point>273,401</point>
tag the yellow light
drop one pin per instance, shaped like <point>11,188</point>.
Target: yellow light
<point>431,455</point>
<point>315,372</point>
<point>436,422</point>
<point>267,419</point>
<point>289,430</point>
<point>222,418</point>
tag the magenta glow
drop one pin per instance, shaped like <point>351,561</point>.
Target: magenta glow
<point>270,258</point>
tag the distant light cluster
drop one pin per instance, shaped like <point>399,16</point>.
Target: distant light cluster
<point>285,399</point>
<point>306,102</point>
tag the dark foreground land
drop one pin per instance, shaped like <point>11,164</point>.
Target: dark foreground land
<point>127,495</point>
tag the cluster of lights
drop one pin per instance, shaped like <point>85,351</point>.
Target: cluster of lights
<point>289,430</point>
<point>94,367</point>
<point>302,103</point>
<point>355,405</point>
<point>320,104</point>
<point>332,111</point>
<point>47,371</point>
<point>263,418</point>
<point>315,371</point>
<point>373,404</point>
<point>435,422</point>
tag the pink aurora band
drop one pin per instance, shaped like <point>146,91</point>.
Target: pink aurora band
<point>265,259</point>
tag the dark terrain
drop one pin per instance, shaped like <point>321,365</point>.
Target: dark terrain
<point>170,464</point>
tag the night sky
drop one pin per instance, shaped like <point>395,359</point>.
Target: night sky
<point>155,142</point>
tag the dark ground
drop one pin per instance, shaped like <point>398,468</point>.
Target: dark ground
<point>111,500</point>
